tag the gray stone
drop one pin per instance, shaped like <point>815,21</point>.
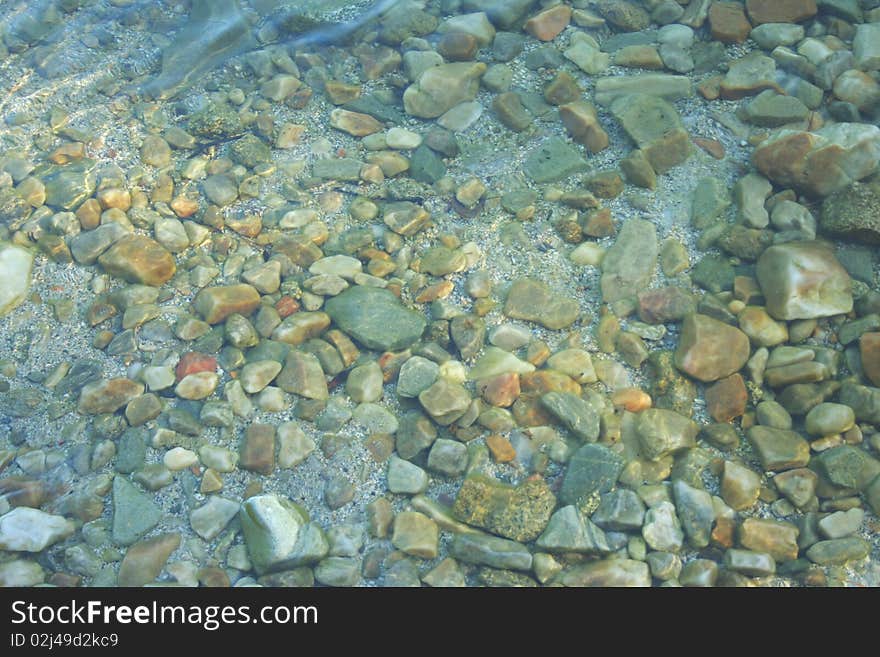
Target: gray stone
<point>578,415</point>
<point>212,517</point>
<point>134,513</point>
<point>271,527</point>
<point>416,375</point>
<point>15,276</point>
<point>553,161</point>
<point>696,513</point>
<point>620,510</point>
<point>569,531</point>
<point>448,457</point>
<point>662,530</point>
<point>30,530</point>
<point>628,266</point>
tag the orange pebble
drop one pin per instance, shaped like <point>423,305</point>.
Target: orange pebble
<point>631,399</point>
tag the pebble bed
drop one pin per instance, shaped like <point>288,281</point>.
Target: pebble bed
<point>440,293</point>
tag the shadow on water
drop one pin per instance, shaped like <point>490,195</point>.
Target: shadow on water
<point>210,33</point>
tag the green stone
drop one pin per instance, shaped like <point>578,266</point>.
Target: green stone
<point>445,401</point>
<point>864,400</point>
<point>656,128</point>
<point>592,469</point>
<point>713,273</point>
<point>132,451</point>
<point>827,419</point>
<point>771,110</point>
<point>779,449</point>
<point>426,166</point>
<point>554,160</point>
<point>250,151</point>
<point>376,318</point>
<point>490,551</point>
<point>134,513</point>
<point>662,432</point>
<point>578,415</point>
<point>839,551</point>
<point>848,466</point>
<point>711,198</point>
<point>534,301</point>
<point>343,168</point>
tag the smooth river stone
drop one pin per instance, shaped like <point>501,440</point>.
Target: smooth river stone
<point>139,259</point>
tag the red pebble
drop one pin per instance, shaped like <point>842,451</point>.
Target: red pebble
<point>192,362</point>
<point>286,306</point>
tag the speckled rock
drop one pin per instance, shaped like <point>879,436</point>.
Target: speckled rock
<point>519,513</point>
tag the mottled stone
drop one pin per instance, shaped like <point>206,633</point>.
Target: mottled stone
<point>709,350</point>
<point>534,301</point>
<point>519,513</point>
<point>138,259</point>
<point>108,395</point>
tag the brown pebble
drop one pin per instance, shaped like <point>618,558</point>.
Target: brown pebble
<point>501,449</point>
<point>501,390</point>
<point>457,46</point>
<point>712,146</point>
<point>727,398</point>
<point>633,400</point>
<point>546,25</point>
<point>214,577</point>
<point>258,449</point>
